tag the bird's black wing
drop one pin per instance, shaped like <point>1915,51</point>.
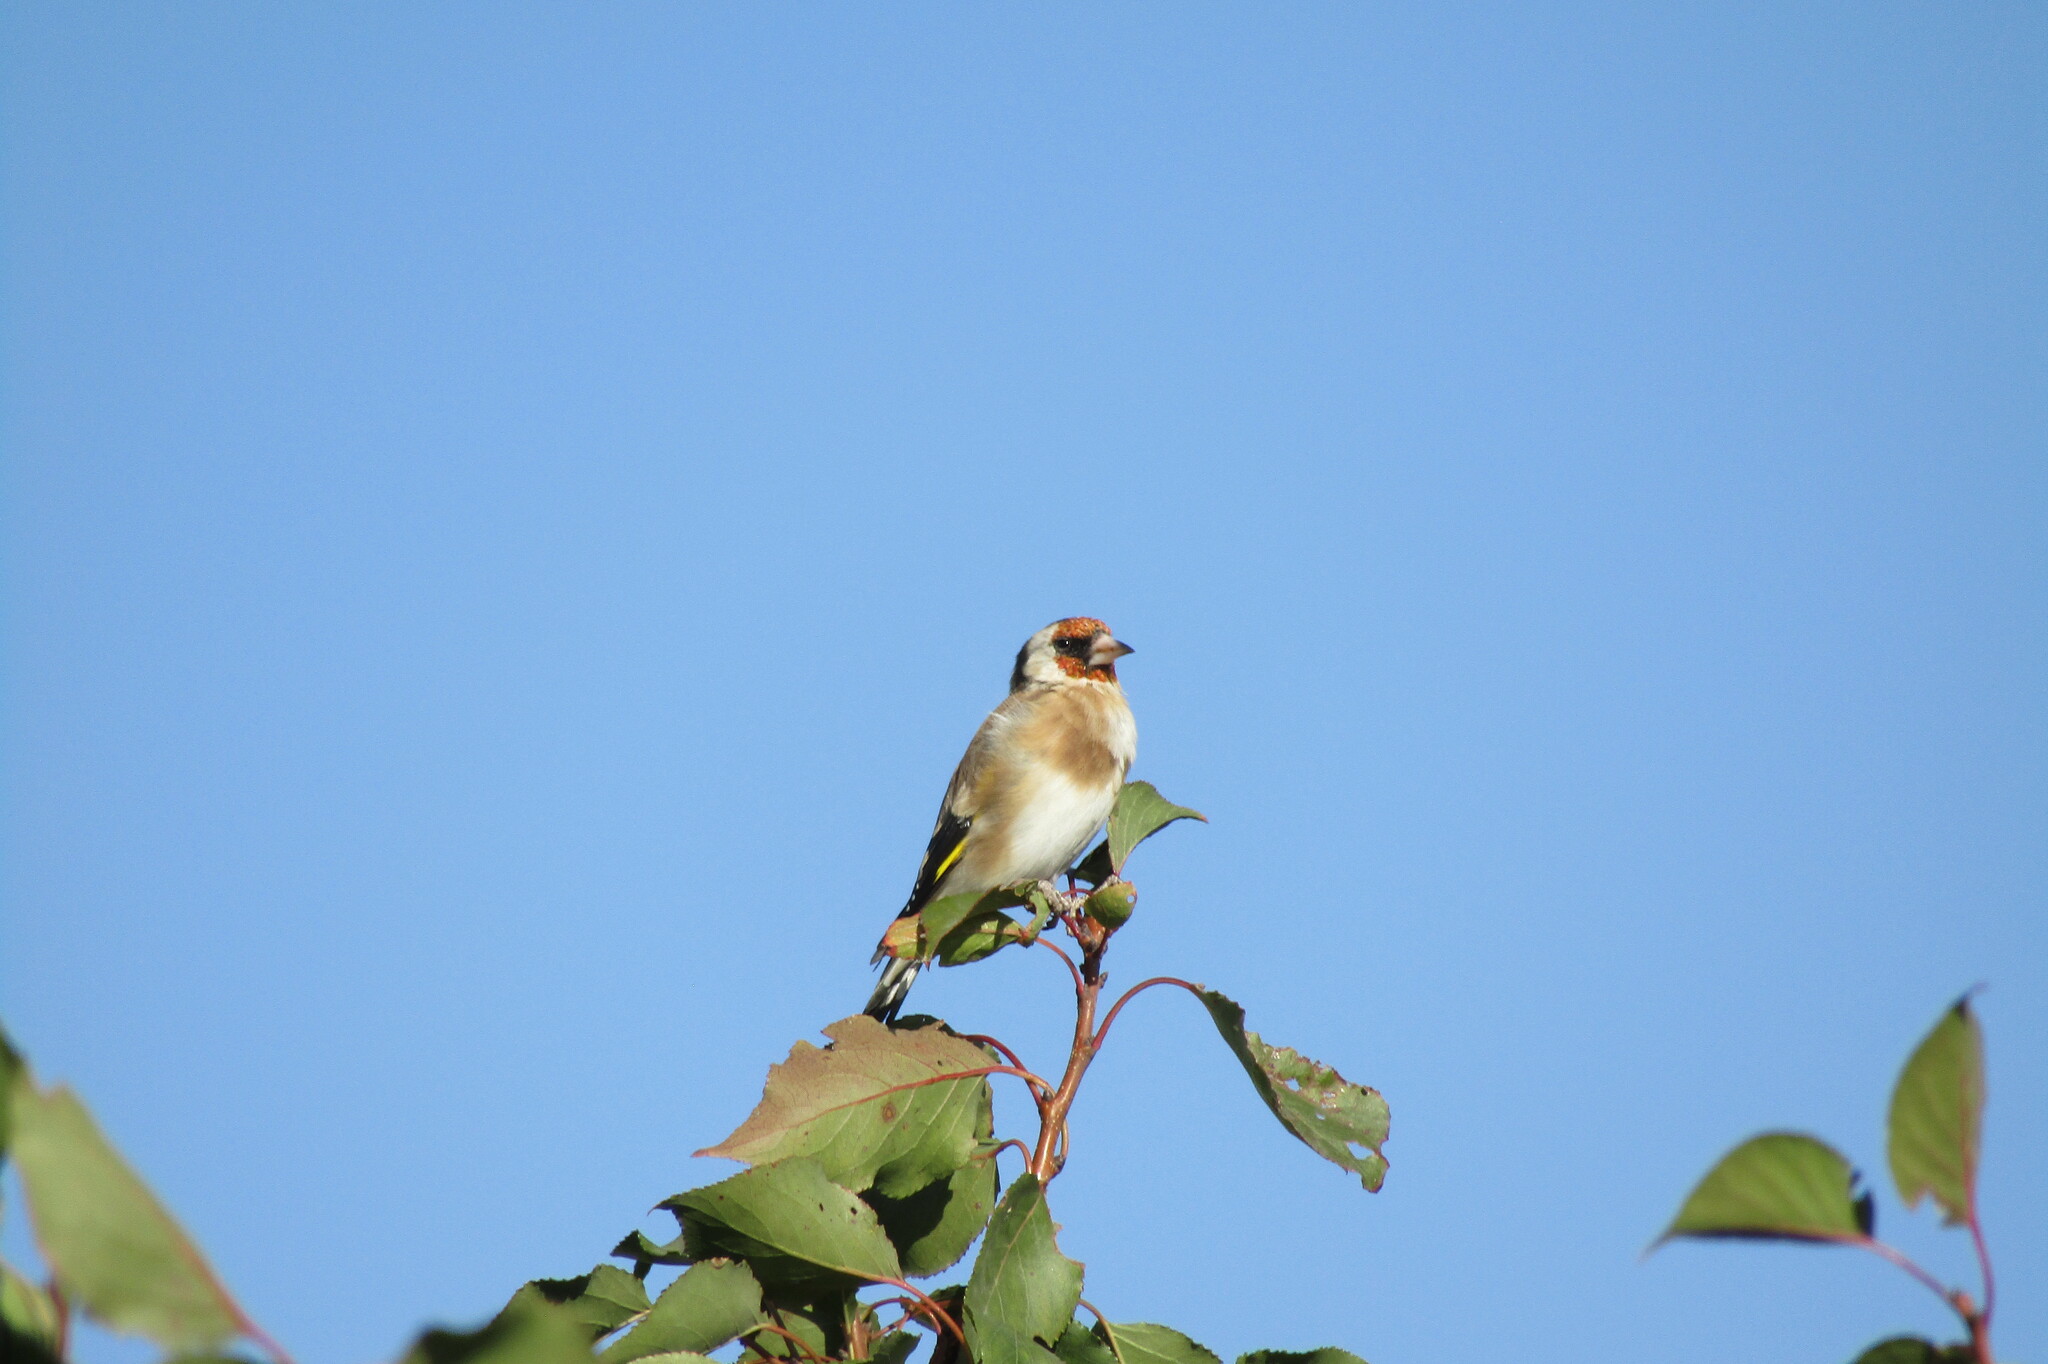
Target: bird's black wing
<point>949,840</point>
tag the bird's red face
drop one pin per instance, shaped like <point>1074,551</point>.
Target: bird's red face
<point>1084,647</point>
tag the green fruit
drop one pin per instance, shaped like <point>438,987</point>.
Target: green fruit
<point>1111,905</point>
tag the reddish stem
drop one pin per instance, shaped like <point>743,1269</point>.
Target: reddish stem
<point>931,1306</point>
<point>1984,1268</point>
<point>789,1336</point>
<point>262,1337</point>
<point>1130,994</point>
<point>985,1040</point>
<point>1042,941</point>
<point>1899,1258</point>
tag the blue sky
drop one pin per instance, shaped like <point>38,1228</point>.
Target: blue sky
<point>511,513</point>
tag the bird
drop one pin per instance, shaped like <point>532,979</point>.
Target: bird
<point>1036,783</point>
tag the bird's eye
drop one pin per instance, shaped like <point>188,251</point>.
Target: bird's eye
<point>1069,646</point>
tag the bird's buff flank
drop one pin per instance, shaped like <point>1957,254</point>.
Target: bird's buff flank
<point>1034,786</point>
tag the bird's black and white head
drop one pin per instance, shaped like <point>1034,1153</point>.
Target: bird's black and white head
<point>1079,647</point>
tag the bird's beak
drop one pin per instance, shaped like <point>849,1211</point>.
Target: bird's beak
<point>1107,650</point>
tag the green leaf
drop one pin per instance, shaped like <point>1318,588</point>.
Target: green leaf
<point>1914,1350</point>
<point>1021,1284</point>
<point>113,1248</point>
<point>28,1319</point>
<point>893,1348</point>
<point>818,1319</point>
<point>13,1071</point>
<point>710,1304</point>
<point>677,1357</point>
<point>643,1250</point>
<point>1937,1117</point>
<point>789,1222</point>
<point>602,1300</point>
<point>1779,1186</point>
<point>1079,1345</point>
<point>947,914</point>
<point>1329,1354</point>
<point>525,1332</point>
<point>1328,1112</point>
<point>1143,1342</point>
<point>1139,813</point>
<point>870,1108</point>
<point>932,1228</point>
<point>998,1342</point>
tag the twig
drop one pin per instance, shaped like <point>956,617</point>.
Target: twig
<point>1130,994</point>
<point>930,1305</point>
<point>1043,941</point>
<point>1899,1258</point>
<point>985,1040</point>
<point>1022,1149</point>
<point>1108,1331</point>
<point>789,1336</point>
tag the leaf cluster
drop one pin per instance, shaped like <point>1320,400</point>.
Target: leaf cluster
<point>871,1161</point>
<point>1789,1186</point>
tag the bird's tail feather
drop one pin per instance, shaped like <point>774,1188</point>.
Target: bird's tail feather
<point>887,999</point>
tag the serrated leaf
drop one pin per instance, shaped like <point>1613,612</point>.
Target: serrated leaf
<point>1139,813</point>
<point>1778,1186</point>
<point>643,1250</point>
<point>1145,1342</point>
<point>933,1228</point>
<point>1079,1345</point>
<point>818,1319</point>
<point>1914,1350</point>
<point>524,1333</point>
<point>601,1301</point>
<point>1021,1283</point>
<point>112,1247</point>
<point>1328,1354</point>
<point>1937,1116</point>
<point>870,1108</point>
<point>789,1222</point>
<point>893,1348</point>
<point>710,1304</point>
<point>1329,1113</point>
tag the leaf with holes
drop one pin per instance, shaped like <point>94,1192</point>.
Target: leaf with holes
<point>1937,1117</point>
<point>872,1108</point>
<point>1781,1186</point>
<point>1329,1113</point>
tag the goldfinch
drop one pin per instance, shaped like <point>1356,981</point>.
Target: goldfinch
<point>1034,785</point>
